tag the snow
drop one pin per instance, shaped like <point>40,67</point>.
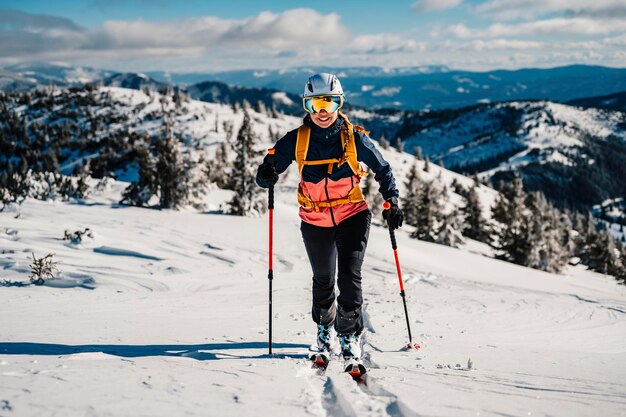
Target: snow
<point>547,131</point>
<point>176,323</point>
<point>282,97</point>
<point>164,313</point>
<point>386,92</point>
<point>557,156</point>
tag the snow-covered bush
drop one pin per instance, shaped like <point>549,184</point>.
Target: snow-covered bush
<point>76,237</point>
<point>42,269</point>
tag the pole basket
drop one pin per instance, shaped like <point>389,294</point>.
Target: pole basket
<point>411,346</point>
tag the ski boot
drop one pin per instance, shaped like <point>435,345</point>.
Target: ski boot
<point>351,352</point>
<point>321,358</point>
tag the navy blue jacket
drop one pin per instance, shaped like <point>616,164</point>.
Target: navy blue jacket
<point>326,144</point>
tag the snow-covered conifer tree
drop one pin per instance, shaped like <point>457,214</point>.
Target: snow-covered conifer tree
<point>384,143</point>
<point>603,256</point>
<point>547,251</point>
<point>399,145</point>
<point>259,107</point>
<point>418,153</point>
<point>411,196</point>
<point>511,229</point>
<point>431,202</point>
<point>172,171</point>
<point>247,195</point>
<point>138,193</point>
<point>587,234</point>
<point>217,170</point>
<point>449,232</point>
<point>474,223</point>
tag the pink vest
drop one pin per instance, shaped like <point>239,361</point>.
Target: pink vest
<point>325,190</point>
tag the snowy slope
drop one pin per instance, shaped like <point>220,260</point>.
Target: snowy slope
<point>115,117</point>
<point>537,130</point>
<point>165,313</point>
<point>575,156</point>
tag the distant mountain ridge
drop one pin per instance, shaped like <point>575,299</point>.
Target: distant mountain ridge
<point>293,76</point>
<point>219,92</point>
<point>615,101</point>
<point>61,75</point>
<point>135,81</point>
<point>434,87</point>
<point>411,88</point>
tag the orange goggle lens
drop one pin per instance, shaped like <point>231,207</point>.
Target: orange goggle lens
<point>317,103</point>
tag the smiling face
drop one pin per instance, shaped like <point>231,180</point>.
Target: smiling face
<point>324,119</point>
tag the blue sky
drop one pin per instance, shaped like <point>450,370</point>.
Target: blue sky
<point>196,35</point>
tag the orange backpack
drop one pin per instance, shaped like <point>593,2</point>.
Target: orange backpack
<point>349,156</point>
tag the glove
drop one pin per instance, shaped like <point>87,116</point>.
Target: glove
<point>267,172</point>
<point>393,214</point>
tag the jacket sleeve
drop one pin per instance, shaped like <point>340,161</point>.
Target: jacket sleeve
<point>368,154</point>
<point>285,153</point>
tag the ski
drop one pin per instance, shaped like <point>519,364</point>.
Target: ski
<point>320,361</point>
<point>356,370</point>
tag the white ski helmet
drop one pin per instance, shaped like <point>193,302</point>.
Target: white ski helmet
<point>322,84</point>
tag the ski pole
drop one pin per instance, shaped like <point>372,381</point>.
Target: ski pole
<point>270,272</point>
<point>394,246</point>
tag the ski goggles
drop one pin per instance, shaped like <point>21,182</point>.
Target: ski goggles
<point>317,103</point>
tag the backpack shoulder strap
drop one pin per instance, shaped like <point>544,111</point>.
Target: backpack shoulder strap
<point>350,154</point>
<point>302,145</point>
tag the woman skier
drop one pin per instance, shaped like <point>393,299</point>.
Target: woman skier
<point>335,218</point>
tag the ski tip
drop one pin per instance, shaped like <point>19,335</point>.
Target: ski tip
<point>356,371</point>
<point>361,379</point>
<point>319,361</point>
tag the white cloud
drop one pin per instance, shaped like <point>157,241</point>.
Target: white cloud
<point>578,45</point>
<point>619,40</point>
<point>287,30</point>
<point>293,36</point>
<point>384,43</point>
<point>431,5</point>
<point>502,44</point>
<point>290,30</point>
<point>575,56</point>
<point>275,40</point>
<point>620,55</point>
<point>529,9</point>
<point>555,26</point>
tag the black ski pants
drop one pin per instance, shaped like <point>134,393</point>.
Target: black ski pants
<point>341,248</point>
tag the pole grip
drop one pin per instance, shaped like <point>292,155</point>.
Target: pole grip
<point>270,201</point>
<point>270,159</point>
<point>392,235</point>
